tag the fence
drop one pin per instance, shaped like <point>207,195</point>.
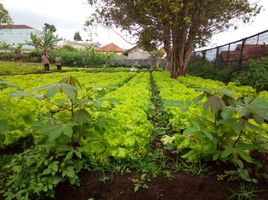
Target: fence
<point>235,54</point>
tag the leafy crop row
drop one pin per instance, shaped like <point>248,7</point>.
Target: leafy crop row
<point>197,82</point>
<point>128,134</point>
<point>79,131</point>
<point>17,68</point>
<point>20,113</point>
<point>212,124</point>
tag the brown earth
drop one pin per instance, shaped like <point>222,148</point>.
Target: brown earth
<point>182,187</point>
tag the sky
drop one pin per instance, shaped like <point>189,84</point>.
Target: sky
<point>69,16</point>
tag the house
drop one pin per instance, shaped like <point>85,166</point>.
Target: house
<point>249,51</point>
<point>17,34</point>
<point>137,53</point>
<point>111,48</point>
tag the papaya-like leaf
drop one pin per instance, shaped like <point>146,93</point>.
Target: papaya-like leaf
<point>52,91</point>
<point>82,115</point>
<point>69,90</point>
<point>215,103</point>
<point>71,81</point>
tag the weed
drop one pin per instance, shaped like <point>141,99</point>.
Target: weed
<point>245,192</point>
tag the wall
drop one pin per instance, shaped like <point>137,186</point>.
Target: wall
<point>142,62</point>
<point>17,36</point>
<point>137,53</point>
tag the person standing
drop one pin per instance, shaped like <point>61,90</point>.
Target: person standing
<point>45,61</point>
<point>58,61</point>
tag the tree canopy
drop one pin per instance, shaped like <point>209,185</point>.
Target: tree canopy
<point>49,27</point>
<point>4,15</point>
<point>177,25</point>
<point>77,36</point>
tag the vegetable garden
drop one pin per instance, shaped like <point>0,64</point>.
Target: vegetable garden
<point>127,135</point>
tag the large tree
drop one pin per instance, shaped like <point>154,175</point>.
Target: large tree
<point>4,16</point>
<point>177,25</point>
<point>49,27</point>
<point>77,36</point>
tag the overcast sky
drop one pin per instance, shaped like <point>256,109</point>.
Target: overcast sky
<point>69,16</point>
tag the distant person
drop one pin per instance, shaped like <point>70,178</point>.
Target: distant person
<point>58,61</point>
<point>45,61</point>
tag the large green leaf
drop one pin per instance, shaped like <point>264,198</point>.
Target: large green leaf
<point>245,156</point>
<point>69,90</point>
<point>52,91</point>
<point>82,116</point>
<point>210,137</point>
<point>215,103</point>
<point>67,130</point>
<point>71,81</point>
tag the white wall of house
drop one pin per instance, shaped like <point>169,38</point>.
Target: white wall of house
<point>138,53</point>
<point>15,37</point>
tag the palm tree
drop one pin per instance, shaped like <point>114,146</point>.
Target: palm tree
<point>45,42</point>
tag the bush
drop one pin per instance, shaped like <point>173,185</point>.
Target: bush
<point>86,57</point>
<point>207,69</point>
<point>255,74</point>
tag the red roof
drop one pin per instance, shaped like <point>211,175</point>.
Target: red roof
<point>249,51</point>
<point>15,27</point>
<point>111,48</point>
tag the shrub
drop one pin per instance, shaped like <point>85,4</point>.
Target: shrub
<point>254,74</point>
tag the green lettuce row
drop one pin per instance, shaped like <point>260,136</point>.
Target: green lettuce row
<point>197,82</point>
<point>13,68</point>
<point>128,134</point>
<point>199,137</point>
<point>31,81</point>
<point>20,113</point>
<point>172,92</point>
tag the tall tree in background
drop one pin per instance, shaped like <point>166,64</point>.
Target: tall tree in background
<point>49,27</point>
<point>77,36</point>
<point>4,15</point>
<point>177,25</point>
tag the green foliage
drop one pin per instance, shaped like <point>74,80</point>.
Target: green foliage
<point>77,36</point>
<point>4,15</point>
<point>178,25</point>
<point>245,192</point>
<point>44,42</point>
<point>38,171</point>
<point>57,156</point>
<point>4,45</point>
<point>208,70</point>
<point>28,109</point>
<point>87,57</point>
<point>49,27</point>
<point>214,124</point>
<point>69,48</point>
<point>128,136</point>
<point>255,74</point>
<point>17,68</point>
<point>141,183</point>
<point>234,131</point>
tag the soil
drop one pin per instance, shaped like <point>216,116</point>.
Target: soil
<point>18,147</point>
<point>181,187</point>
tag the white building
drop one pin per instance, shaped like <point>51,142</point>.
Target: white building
<point>17,34</point>
<point>137,53</point>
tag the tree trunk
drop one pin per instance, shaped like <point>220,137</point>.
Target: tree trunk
<point>157,62</point>
<point>167,45</point>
